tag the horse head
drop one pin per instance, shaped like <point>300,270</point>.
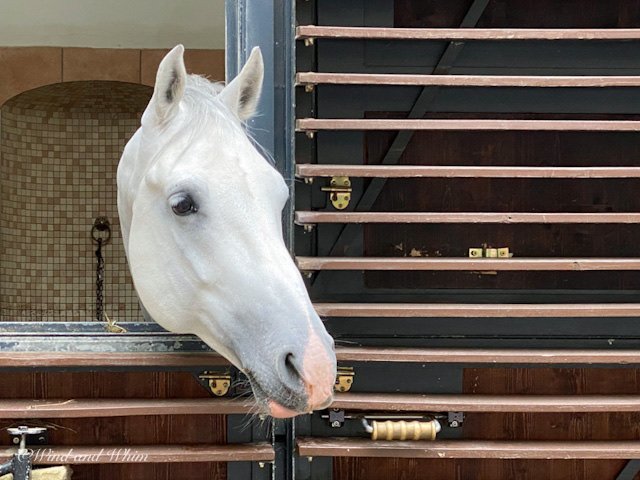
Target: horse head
<point>200,212</point>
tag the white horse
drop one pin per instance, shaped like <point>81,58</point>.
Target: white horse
<point>200,212</point>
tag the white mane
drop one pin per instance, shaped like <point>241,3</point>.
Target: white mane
<point>207,110</point>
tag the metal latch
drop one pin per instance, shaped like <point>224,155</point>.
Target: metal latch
<point>218,383</point>
<point>19,466</point>
<point>339,190</point>
<point>23,434</point>
<point>394,426</point>
<point>344,379</point>
<point>489,252</point>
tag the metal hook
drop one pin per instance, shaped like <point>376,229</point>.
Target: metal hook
<point>101,225</point>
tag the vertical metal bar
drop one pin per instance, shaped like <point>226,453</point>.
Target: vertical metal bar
<point>284,150</point>
<point>421,106</point>
<point>250,24</point>
<point>234,38</point>
<point>284,106</point>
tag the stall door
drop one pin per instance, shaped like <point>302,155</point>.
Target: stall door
<point>468,226</point>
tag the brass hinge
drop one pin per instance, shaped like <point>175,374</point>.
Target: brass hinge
<point>344,379</point>
<point>339,190</point>
<point>218,384</point>
<point>489,252</point>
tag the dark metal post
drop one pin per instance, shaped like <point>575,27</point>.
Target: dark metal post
<point>269,24</point>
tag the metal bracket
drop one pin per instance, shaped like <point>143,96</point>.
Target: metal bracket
<point>216,382</point>
<point>32,435</point>
<point>455,419</point>
<point>336,417</point>
<point>489,252</point>
<point>340,192</point>
<point>344,379</point>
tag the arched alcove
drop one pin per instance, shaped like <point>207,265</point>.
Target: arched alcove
<point>59,150</point>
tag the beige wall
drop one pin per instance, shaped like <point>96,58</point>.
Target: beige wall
<point>198,24</point>
<point>25,68</point>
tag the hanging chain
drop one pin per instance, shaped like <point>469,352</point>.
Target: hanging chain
<point>102,226</point>
<point>99,282</point>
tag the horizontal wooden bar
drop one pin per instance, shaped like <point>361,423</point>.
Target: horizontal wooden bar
<point>403,402</point>
<point>385,33</point>
<point>40,359</point>
<point>122,407</point>
<point>468,310</point>
<point>431,171</point>
<point>316,124</point>
<point>305,217</point>
<point>466,264</point>
<point>101,454</point>
<point>89,408</point>
<point>492,356</point>
<point>316,78</point>
<point>532,450</point>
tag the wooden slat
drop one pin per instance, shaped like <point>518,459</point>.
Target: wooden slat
<point>429,171</point>
<point>121,407</point>
<point>101,454</point>
<point>315,124</point>
<point>493,356</point>
<point>39,359</point>
<point>384,33</point>
<point>565,450</point>
<point>466,264</point>
<point>467,310</point>
<point>304,217</point>
<point>402,402</point>
<point>315,78</point>
<point>362,354</point>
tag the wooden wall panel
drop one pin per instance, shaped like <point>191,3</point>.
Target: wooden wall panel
<point>521,13</point>
<point>503,195</point>
<point>512,426</point>
<point>139,430</point>
<point>518,149</point>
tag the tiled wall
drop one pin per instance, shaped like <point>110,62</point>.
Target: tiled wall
<point>59,148</point>
<point>66,116</point>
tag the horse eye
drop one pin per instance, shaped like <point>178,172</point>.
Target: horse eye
<point>184,206</point>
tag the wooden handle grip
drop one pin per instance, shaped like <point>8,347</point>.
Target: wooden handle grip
<point>403,430</point>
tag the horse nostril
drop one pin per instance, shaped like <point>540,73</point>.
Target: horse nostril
<point>291,368</point>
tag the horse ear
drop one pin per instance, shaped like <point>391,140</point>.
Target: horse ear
<point>170,82</point>
<point>242,95</point>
